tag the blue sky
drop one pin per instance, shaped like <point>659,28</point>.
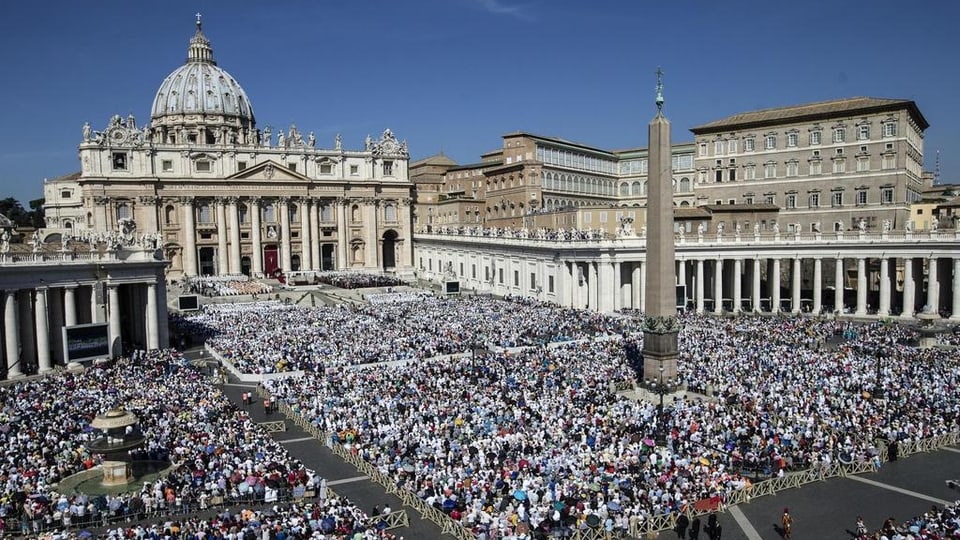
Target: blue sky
<point>455,75</point>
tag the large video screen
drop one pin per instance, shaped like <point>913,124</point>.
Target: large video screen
<point>451,287</point>
<point>86,342</point>
<point>188,303</point>
<point>681,296</point>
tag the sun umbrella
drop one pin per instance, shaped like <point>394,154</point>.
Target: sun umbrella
<point>593,520</point>
<point>613,505</point>
<point>649,442</point>
<point>520,495</point>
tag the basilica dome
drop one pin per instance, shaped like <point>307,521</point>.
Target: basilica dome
<point>200,92</point>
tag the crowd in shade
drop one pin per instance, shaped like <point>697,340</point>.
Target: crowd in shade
<point>270,337</point>
<point>226,285</point>
<point>357,280</point>
<point>540,233</point>
<point>534,439</point>
<point>214,451</point>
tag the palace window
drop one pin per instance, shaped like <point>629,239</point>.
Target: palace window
<point>750,172</point>
<point>793,168</point>
<point>388,168</point>
<point>770,142</point>
<point>861,197</point>
<point>202,166</point>
<point>390,212</point>
<point>791,200</point>
<point>863,164</point>
<point>815,137</point>
<point>837,198</point>
<point>206,213</point>
<point>839,165</point>
<point>792,139</point>
<point>270,213</point>
<point>732,146</point>
<point>732,173</point>
<point>326,213</point>
<point>890,129</point>
<point>770,170</point>
<point>889,161</point>
<point>863,133</point>
<point>839,135</point>
<point>886,195</point>
<point>718,148</point>
<point>814,200</point>
<point>123,211</point>
<point>354,170</point>
<point>703,149</point>
<point>749,144</point>
<point>816,168</point>
<point>326,168</point>
<point>167,165</point>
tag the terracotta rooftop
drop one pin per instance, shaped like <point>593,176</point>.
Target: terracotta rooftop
<point>810,111</point>
<point>757,207</point>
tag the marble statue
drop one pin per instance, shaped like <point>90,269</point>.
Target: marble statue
<point>776,228</point>
<point>338,142</point>
<point>908,226</point>
<point>36,241</point>
<point>756,228</point>
<point>701,228</point>
<point>87,130</point>
<point>368,142</point>
<point>267,136</point>
<point>281,139</point>
<point>934,225</point>
<point>5,241</point>
<point>862,225</point>
<point>311,140</point>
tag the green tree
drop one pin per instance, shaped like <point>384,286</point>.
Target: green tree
<point>35,215</point>
<point>14,211</point>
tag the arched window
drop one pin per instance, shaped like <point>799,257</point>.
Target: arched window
<point>269,213</point>
<point>355,213</point>
<point>390,212</point>
<point>206,214</point>
<point>685,184</point>
<point>169,215</point>
<point>326,213</point>
<point>244,213</point>
<point>123,211</point>
<point>624,189</point>
<point>292,212</point>
<point>636,189</point>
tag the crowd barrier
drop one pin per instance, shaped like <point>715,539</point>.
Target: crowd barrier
<point>645,527</point>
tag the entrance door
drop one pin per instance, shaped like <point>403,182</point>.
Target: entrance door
<point>206,261</point>
<point>327,260</point>
<point>271,260</point>
<point>389,256</point>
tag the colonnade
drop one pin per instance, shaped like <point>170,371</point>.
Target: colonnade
<point>861,276</point>
<point>33,318</point>
<point>303,237</point>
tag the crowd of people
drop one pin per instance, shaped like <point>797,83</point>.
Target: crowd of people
<point>540,233</point>
<point>271,337</point>
<point>357,280</point>
<point>225,285</point>
<point>536,439</point>
<point>214,450</point>
<point>934,524</point>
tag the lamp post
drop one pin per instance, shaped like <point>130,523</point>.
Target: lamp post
<point>660,388</point>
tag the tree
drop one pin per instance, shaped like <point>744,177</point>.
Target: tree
<point>21,217</point>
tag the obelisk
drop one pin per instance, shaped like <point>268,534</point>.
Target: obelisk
<point>660,325</point>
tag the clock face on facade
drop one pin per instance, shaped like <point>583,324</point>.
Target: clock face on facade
<point>118,135</point>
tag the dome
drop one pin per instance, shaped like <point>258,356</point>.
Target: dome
<point>200,87</point>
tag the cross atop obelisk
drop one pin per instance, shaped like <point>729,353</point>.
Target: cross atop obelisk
<point>660,325</point>
<point>659,89</point>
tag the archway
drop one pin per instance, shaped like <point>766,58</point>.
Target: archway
<point>389,253</point>
<point>206,263</point>
<point>245,265</point>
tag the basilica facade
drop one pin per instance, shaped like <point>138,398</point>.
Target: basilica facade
<point>229,198</point>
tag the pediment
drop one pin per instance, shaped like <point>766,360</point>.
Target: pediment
<point>269,171</point>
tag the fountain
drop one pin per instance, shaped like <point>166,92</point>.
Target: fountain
<point>121,434</point>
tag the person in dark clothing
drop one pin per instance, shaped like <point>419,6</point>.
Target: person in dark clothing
<point>682,523</point>
<point>695,529</point>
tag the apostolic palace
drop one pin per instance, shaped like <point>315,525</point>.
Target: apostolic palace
<point>817,208</point>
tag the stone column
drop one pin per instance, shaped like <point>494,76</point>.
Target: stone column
<point>593,294</point>
<point>94,306</point>
<point>315,235</point>
<point>757,308</point>
<point>113,316</point>
<point>955,308</point>
<point>28,339</point>
<point>775,287</point>
<point>838,286</point>
<point>909,289</point>
<point>861,286</point>
<point>817,285</point>
<point>189,235</point>
<point>43,330</point>
<point>635,289</point>
<point>884,307</point>
<point>256,258</point>
<point>55,324</point>
<point>163,329</point>
<point>737,285</point>
<point>11,333</point>
<point>223,266</point>
<point>285,234</point>
<point>795,286</point>
<point>343,238</point>
<point>372,252</point>
<point>718,286</point>
<point>235,267</point>
<point>643,287</point>
<point>618,288</point>
<point>682,278</point>
<point>70,306</point>
<point>605,292</point>
<point>700,301</point>
<point>153,332</point>
<point>405,242</point>
<point>305,236</point>
<point>933,303</point>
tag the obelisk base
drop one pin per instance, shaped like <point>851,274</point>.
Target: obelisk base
<point>660,349</point>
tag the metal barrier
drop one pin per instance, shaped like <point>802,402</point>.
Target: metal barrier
<point>644,527</point>
<point>273,427</point>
